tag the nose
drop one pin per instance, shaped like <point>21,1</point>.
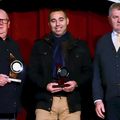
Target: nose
<point>57,23</point>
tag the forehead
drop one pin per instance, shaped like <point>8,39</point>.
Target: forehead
<point>115,11</point>
<point>57,14</point>
<point>3,14</point>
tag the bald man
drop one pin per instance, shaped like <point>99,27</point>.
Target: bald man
<point>9,90</point>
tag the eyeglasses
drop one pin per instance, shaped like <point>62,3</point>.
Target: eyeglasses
<point>4,21</point>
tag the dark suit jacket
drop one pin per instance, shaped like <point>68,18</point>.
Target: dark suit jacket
<point>10,93</point>
<point>106,80</point>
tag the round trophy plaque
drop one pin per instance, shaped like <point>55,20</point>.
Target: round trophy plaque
<point>16,66</point>
<point>62,72</point>
<point>62,77</point>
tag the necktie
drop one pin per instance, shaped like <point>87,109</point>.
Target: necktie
<point>117,44</point>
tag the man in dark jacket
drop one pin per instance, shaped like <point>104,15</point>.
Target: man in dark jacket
<point>10,72</point>
<point>59,65</point>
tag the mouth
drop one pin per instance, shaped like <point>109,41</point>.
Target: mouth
<point>58,28</point>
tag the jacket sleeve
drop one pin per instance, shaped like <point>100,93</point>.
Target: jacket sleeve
<point>35,68</point>
<point>97,82</point>
<point>86,65</point>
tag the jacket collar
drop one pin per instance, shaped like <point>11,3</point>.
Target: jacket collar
<point>69,41</point>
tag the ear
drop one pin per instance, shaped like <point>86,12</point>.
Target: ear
<point>9,24</point>
<point>49,27</point>
<point>109,20</point>
<point>48,24</point>
<point>67,21</point>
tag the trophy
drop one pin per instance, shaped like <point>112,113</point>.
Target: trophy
<point>16,67</point>
<point>62,77</point>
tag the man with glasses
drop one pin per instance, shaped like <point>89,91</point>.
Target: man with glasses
<point>9,90</point>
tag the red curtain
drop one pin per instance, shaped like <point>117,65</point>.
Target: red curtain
<point>26,27</point>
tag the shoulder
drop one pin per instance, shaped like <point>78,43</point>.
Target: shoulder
<point>41,44</point>
<point>103,42</point>
<point>37,46</point>
<point>38,42</point>
<point>11,42</point>
<point>45,41</point>
<point>80,46</point>
<point>80,43</point>
<point>104,39</point>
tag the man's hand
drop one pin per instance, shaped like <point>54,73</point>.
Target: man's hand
<point>71,85</point>
<point>52,89</point>
<point>100,109</point>
<point>4,79</point>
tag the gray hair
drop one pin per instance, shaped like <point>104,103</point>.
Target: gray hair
<point>114,6</point>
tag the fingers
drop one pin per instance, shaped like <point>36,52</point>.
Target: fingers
<point>3,82</point>
<point>100,113</point>
<point>52,89</point>
<point>3,79</point>
<point>3,75</point>
<point>71,85</point>
<point>100,110</point>
<point>56,90</point>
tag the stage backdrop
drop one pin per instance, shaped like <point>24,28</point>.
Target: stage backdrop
<point>26,27</point>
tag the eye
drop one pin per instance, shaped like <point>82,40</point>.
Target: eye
<point>61,19</point>
<point>114,17</point>
<point>52,20</point>
<point>4,21</point>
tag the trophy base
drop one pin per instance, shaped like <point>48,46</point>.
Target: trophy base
<point>64,85</point>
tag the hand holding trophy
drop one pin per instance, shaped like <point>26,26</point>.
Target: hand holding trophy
<point>16,67</point>
<point>62,77</point>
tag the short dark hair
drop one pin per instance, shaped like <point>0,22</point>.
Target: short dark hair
<point>54,10</point>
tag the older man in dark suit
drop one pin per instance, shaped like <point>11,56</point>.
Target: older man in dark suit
<point>106,81</point>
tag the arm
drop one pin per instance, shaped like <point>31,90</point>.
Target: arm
<point>97,86</point>
<point>82,68</point>
<point>86,65</point>
<point>35,68</point>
